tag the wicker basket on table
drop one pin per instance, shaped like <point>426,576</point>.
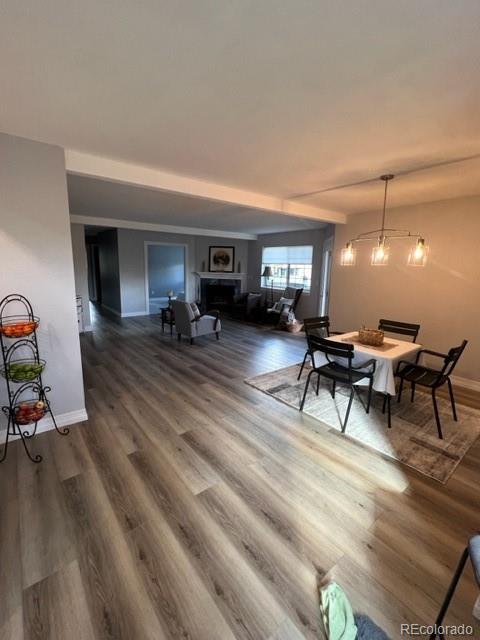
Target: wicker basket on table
<point>371,337</point>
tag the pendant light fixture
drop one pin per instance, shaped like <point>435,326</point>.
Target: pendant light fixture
<point>381,252</point>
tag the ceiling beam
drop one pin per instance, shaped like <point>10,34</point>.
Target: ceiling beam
<point>95,221</point>
<point>84,164</point>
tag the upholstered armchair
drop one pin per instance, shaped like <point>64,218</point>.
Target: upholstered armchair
<point>193,324</point>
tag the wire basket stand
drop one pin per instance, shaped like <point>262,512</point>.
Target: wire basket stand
<point>23,374</point>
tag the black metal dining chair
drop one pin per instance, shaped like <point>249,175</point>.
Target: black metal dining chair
<point>423,376</point>
<point>401,328</point>
<point>347,375</point>
<point>472,551</point>
<point>319,327</point>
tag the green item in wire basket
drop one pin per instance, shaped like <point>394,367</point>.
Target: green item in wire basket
<point>24,370</point>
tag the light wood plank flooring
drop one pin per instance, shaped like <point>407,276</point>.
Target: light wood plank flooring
<point>191,506</point>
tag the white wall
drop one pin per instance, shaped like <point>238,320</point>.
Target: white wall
<point>443,296</point>
<point>80,270</point>
<point>36,251</point>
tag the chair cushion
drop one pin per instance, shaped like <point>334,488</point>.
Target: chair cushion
<point>206,325</point>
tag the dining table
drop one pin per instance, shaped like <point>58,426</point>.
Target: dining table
<point>387,357</point>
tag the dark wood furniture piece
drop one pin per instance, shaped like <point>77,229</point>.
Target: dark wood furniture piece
<point>472,550</point>
<point>402,328</point>
<point>275,314</point>
<point>319,327</point>
<point>423,376</point>
<point>247,306</point>
<point>348,375</point>
<point>168,317</point>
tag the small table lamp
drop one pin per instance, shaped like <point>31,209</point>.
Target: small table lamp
<point>170,296</point>
<point>267,273</point>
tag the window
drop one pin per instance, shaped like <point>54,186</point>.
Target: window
<point>291,266</point>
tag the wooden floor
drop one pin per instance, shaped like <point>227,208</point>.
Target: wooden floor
<point>191,506</point>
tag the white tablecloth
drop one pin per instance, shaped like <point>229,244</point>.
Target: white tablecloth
<point>384,378</point>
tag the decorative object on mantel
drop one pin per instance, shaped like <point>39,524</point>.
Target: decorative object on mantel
<point>371,337</point>
<point>239,268</point>
<point>221,259</point>
<point>203,265</point>
<point>25,371</point>
<point>380,254</point>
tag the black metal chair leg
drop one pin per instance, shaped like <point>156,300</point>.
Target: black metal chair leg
<point>451,590</point>
<point>306,389</point>
<point>387,407</point>
<point>452,399</point>
<point>334,386</point>
<point>303,365</point>
<point>369,401</point>
<point>437,416</point>
<point>318,384</point>
<point>412,397</point>
<point>191,340</point>
<point>352,394</point>
<point>400,390</point>
<point>217,334</point>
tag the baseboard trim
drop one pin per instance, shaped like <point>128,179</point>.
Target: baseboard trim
<point>134,314</point>
<point>466,383</point>
<point>63,420</point>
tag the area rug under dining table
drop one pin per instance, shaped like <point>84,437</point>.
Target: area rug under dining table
<point>413,438</point>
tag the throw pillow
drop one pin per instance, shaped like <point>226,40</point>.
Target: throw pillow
<point>278,306</point>
<point>195,309</point>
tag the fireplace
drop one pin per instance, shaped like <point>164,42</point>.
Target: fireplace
<point>218,294</point>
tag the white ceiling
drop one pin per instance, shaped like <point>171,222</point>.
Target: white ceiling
<point>276,97</point>
<point>103,199</point>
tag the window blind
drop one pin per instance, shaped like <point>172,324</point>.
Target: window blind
<point>287,255</point>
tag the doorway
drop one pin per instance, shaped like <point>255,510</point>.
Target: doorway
<point>93,270</point>
<point>165,274</point>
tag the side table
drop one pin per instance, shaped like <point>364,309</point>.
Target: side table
<point>168,317</point>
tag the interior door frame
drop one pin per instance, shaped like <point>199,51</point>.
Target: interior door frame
<point>148,243</point>
<point>325,277</point>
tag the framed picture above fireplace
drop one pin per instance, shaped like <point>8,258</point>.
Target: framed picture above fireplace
<point>221,259</point>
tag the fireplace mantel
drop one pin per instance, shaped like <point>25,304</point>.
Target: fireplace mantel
<point>241,278</point>
<point>220,275</point>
